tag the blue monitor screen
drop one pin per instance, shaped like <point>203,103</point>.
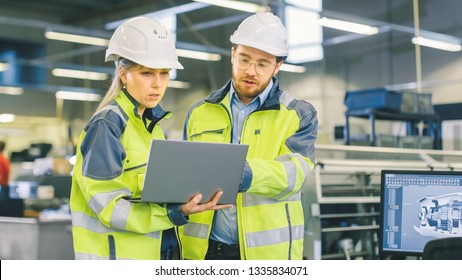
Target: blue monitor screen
<point>416,207</point>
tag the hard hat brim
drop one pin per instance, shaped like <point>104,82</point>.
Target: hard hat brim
<point>157,64</point>
<point>253,44</point>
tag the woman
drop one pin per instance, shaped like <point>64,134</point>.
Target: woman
<point>113,150</point>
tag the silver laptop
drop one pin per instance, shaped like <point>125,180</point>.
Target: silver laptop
<point>177,170</point>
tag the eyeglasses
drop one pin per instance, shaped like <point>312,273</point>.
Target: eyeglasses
<point>261,67</point>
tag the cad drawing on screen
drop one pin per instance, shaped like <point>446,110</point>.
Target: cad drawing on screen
<point>440,216</point>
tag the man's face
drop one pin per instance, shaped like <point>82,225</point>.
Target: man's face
<point>252,71</point>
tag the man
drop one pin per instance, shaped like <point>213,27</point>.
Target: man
<point>267,222</point>
<point>4,166</point>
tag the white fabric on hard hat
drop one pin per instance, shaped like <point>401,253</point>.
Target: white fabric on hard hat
<point>263,31</point>
<point>144,41</point>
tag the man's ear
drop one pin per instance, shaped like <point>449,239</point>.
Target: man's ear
<point>278,67</point>
<point>232,54</point>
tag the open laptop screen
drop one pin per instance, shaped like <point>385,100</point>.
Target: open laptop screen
<point>416,207</point>
<point>177,170</point>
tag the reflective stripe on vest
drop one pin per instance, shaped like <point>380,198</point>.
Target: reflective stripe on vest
<point>116,109</point>
<point>101,200</point>
<point>274,236</point>
<point>120,214</point>
<point>291,171</point>
<point>254,200</point>
<point>86,256</point>
<point>196,230</point>
<point>82,220</point>
<point>121,209</point>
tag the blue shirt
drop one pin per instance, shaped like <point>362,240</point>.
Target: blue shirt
<point>224,227</point>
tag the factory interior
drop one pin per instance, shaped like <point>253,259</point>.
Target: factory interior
<point>388,101</point>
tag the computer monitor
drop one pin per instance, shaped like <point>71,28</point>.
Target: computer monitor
<point>416,207</point>
<point>26,186</point>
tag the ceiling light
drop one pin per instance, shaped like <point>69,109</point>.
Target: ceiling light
<point>52,35</point>
<point>3,66</point>
<point>13,132</point>
<point>6,118</point>
<point>81,96</point>
<point>198,55</point>
<point>11,90</point>
<point>180,9</point>
<point>447,46</point>
<point>293,68</point>
<point>348,26</point>
<point>237,5</point>
<point>178,84</point>
<point>79,74</point>
<point>103,42</point>
<point>305,44</point>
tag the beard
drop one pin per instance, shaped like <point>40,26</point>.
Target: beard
<point>247,88</point>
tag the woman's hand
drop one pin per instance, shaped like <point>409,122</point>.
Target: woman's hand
<point>194,205</point>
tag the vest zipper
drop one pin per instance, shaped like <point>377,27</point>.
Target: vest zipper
<point>289,224</point>
<point>112,248</point>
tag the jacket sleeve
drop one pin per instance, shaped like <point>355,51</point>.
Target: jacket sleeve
<point>284,176</point>
<point>107,195</point>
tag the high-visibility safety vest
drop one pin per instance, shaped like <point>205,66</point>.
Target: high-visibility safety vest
<point>281,136</point>
<point>111,163</point>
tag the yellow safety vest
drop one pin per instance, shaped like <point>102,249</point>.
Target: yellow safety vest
<point>111,163</point>
<point>281,136</point>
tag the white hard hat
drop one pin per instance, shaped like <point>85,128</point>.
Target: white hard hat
<point>263,31</point>
<point>144,41</point>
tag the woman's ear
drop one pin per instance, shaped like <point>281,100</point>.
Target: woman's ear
<point>123,75</point>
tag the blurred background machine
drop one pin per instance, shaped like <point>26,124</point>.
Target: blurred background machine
<point>342,196</point>
<point>35,220</point>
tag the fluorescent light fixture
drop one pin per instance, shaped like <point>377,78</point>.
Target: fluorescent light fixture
<point>52,35</point>
<point>6,118</point>
<point>103,42</point>
<point>237,5</point>
<point>198,55</point>
<point>11,90</point>
<point>293,68</point>
<point>12,132</point>
<point>437,44</point>
<point>81,96</point>
<point>3,66</point>
<point>348,26</point>
<point>178,84</point>
<point>79,74</point>
<point>173,11</point>
<point>313,5</point>
<point>305,53</point>
<point>305,44</point>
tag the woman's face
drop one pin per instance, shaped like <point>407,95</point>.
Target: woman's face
<point>146,85</point>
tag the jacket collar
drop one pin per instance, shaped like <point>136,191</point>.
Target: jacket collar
<point>154,114</point>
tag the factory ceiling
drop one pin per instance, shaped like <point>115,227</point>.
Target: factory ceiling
<point>200,27</point>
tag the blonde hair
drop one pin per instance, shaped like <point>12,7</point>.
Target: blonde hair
<point>124,65</point>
